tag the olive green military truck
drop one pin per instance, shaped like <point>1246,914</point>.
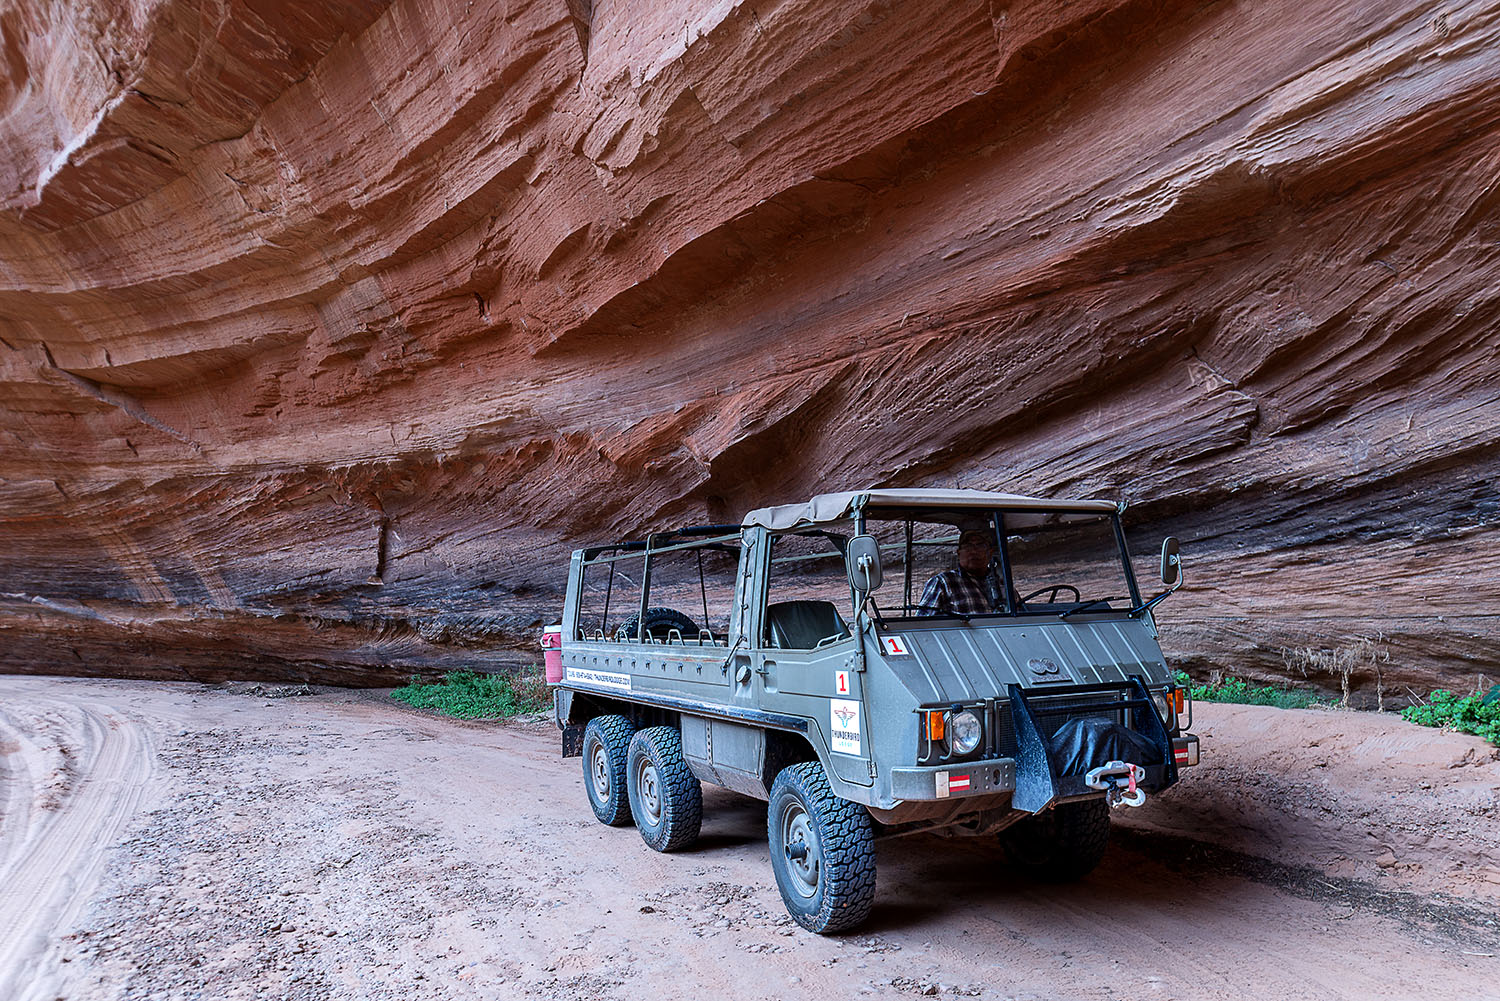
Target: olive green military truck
<point>875,663</point>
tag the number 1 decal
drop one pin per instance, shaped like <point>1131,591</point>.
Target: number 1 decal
<point>841,682</point>
<point>895,646</point>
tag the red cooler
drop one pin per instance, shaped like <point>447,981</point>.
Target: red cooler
<point>552,653</point>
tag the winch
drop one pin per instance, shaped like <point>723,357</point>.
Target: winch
<point>1118,780</point>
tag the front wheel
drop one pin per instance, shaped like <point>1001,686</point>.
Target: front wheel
<point>1061,844</point>
<point>822,851</point>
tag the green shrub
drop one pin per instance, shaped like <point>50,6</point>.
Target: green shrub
<point>468,695</point>
<point>1476,714</point>
<point>1243,693</point>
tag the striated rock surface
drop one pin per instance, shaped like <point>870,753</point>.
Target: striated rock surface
<point>328,328</point>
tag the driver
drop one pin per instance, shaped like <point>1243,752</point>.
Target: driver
<point>965,591</point>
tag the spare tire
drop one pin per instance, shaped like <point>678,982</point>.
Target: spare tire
<point>658,622</point>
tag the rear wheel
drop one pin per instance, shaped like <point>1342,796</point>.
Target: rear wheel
<point>666,798</point>
<point>1061,844</point>
<point>606,744</point>
<point>822,851</point>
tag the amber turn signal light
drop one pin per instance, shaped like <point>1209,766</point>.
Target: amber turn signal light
<point>1179,701</point>
<point>935,726</point>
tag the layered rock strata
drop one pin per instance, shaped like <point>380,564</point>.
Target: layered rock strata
<point>327,329</point>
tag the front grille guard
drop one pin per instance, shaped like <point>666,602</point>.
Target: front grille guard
<point>1035,716</point>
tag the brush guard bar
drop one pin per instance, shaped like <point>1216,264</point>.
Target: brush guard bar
<point>1038,782</point>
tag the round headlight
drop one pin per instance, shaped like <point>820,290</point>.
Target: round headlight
<point>1164,708</point>
<point>964,732</point>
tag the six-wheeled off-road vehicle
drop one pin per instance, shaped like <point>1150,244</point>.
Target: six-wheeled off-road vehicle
<point>840,661</point>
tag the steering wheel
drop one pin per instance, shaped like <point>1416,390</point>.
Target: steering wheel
<point>1053,589</point>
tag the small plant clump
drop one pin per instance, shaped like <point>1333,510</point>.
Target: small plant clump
<point>469,695</point>
<point>1363,654</point>
<point>1476,714</point>
<point>1230,689</point>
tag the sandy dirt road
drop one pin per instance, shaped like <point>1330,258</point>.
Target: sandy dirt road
<point>176,841</point>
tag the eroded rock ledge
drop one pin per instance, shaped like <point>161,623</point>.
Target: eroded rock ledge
<point>326,332</point>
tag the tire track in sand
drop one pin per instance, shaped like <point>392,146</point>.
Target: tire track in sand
<point>71,777</point>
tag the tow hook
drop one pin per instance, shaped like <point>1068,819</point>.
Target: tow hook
<point>1118,780</point>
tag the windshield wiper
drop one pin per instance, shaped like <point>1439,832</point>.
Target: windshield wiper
<point>1087,605</point>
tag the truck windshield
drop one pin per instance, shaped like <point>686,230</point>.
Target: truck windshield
<point>956,564</point>
<point>1072,564</point>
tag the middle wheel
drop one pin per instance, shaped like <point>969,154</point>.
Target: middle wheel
<point>665,796</point>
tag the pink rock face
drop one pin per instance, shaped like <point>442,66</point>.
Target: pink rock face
<point>328,329</point>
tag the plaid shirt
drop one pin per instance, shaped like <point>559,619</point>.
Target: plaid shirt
<point>954,591</point>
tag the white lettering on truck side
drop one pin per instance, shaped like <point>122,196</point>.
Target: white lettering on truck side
<point>599,679</point>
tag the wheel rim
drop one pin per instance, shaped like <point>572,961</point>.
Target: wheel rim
<point>798,832</point>
<point>599,772</point>
<point>650,793</point>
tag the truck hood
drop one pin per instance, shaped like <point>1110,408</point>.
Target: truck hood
<point>965,662</point>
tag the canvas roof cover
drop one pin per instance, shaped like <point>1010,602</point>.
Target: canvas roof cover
<point>834,507</point>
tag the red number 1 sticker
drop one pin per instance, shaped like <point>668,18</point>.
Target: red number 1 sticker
<point>841,682</point>
<point>896,646</point>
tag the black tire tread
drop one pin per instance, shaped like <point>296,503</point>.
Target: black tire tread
<point>615,732</point>
<point>847,841</point>
<point>1064,844</point>
<point>659,619</point>
<point>682,802</point>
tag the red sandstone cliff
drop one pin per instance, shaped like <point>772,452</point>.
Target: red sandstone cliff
<point>327,328</point>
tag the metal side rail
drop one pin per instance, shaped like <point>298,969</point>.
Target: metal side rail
<point>1038,782</point>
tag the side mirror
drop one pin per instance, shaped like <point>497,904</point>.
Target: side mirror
<point>862,559</point>
<point>1171,563</point>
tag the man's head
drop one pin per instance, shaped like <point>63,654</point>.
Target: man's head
<point>976,547</point>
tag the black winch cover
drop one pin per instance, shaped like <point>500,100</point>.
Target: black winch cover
<point>1086,742</point>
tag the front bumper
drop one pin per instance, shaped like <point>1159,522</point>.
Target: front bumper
<point>951,781</point>
<point>928,783</point>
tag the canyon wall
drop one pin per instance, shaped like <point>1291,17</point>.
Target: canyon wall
<point>329,327</point>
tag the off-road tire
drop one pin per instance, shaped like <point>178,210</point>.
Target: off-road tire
<point>1062,844</point>
<point>658,622</point>
<point>666,798</point>
<point>606,745</point>
<point>836,892</point>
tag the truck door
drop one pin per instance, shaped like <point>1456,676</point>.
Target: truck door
<point>803,656</point>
